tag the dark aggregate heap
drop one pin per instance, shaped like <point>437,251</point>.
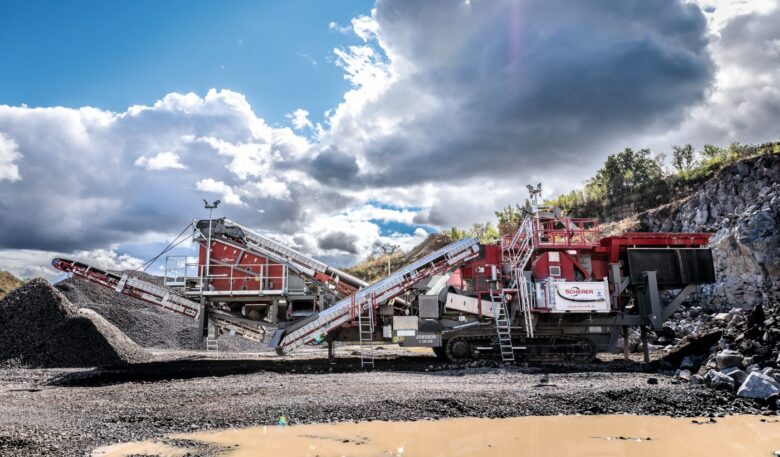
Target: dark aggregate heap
<point>144,323</point>
<point>41,328</point>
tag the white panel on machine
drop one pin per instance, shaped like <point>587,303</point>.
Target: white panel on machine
<point>468,304</point>
<point>582,297</point>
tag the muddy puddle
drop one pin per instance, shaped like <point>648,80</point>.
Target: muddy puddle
<point>619,435</point>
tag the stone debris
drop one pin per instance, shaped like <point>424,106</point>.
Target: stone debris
<point>41,328</point>
<point>744,359</point>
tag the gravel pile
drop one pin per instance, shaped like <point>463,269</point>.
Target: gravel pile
<point>146,324</point>
<point>41,328</point>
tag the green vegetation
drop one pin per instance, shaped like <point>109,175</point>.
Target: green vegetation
<point>634,181</point>
<point>486,233</point>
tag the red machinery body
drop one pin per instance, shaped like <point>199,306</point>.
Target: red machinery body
<point>560,254</point>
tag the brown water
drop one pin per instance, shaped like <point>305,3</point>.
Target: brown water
<point>619,435</point>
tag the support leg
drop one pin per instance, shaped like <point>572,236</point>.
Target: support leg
<point>645,348</point>
<point>331,352</point>
<point>203,320</point>
<point>626,349</point>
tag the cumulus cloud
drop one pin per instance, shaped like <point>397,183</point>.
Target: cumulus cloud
<point>504,88</point>
<point>300,119</point>
<point>744,102</point>
<point>219,187</point>
<point>339,241</point>
<point>8,154</point>
<point>162,161</point>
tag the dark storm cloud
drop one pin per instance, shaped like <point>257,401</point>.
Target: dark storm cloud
<point>339,241</point>
<point>334,167</point>
<point>519,85</point>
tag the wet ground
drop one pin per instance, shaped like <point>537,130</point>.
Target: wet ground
<point>618,435</point>
<point>72,412</point>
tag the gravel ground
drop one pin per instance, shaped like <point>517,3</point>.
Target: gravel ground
<point>70,412</point>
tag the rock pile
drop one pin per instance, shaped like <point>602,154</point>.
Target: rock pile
<point>41,328</point>
<point>745,359</point>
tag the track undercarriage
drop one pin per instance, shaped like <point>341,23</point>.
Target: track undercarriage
<point>484,345</point>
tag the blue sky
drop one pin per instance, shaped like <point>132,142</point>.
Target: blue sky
<point>116,54</point>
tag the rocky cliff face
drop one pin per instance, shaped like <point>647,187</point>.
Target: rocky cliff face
<point>741,205</point>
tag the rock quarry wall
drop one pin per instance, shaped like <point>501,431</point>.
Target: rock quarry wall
<point>741,205</point>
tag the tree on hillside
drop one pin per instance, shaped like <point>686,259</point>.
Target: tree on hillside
<point>485,233</point>
<point>711,151</point>
<point>509,214</point>
<point>683,158</point>
<point>455,234</point>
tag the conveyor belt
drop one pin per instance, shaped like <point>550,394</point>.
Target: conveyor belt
<point>347,309</point>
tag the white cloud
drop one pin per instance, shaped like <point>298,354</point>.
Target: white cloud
<point>300,119</point>
<point>9,153</point>
<point>30,263</point>
<point>267,188</point>
<point>336,27</point>
<point>163,161</point>
<point>365,27</point>
<point>219,187</point>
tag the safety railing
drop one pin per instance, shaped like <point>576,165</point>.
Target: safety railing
<point>567,232</point>
<point>226,279</point>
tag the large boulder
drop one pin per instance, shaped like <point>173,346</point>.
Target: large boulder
<point>736,374</point>
<point>719,381</point>
<point>759,386</point>
<point>728,358</point>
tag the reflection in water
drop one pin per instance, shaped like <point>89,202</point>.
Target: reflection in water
<point>618,435</point>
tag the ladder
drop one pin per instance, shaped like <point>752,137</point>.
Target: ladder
<point>503,325</point>
<point>366,335</point>
<point>211,344</point>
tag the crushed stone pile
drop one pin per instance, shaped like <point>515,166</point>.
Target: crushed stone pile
<point>42,328</point>
<point>736,351</point>
<point>147,324</point>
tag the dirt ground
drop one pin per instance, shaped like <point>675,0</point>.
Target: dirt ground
<point>73,411</point>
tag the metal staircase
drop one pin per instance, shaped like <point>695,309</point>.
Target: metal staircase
<point>517,252</point>
<point>366,335</point>
<point>503,325</point>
